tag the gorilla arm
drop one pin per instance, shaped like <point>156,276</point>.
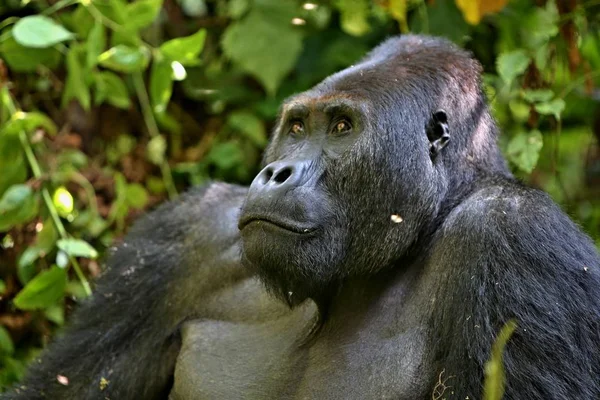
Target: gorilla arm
<point>508,252</point>
<point>179,262</point>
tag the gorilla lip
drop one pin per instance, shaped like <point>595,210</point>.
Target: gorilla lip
<point>285,225</point>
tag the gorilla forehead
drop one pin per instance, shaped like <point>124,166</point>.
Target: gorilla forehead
<point>406,65</point>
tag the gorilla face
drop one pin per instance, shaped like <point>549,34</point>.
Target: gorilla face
<point>351,181</point>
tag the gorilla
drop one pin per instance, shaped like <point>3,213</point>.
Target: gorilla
<point>376,256</point>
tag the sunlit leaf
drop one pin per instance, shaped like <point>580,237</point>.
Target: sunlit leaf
<point>185,49</point>
<point>537,95</point>
<point>495,378</point>
<point>125,59</point>
<point>63,201</point>
<point>42,291</point>
<point>156,150</point>
<point>137,197</point>
<point>474,10</point>
<point>554,107</point>
<point>512,64</point>
<point>354,19</point>
<point>142,13</point>
<point>524,150</point>
<point>77,248</point>
<point>39,31</point>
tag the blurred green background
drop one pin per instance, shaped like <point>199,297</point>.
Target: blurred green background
<point>109,107</point>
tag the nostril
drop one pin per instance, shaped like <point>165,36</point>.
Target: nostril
<point>269,174</point>
<point>282,175</point>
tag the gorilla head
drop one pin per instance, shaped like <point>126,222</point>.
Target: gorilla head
<point>360,167</point>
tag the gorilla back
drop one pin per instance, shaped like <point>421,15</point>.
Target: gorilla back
<point>377,254</point>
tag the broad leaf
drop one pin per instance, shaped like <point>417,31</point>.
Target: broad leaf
<point>524,150</point>
<point>512,64</point>
<point>28,122</point>
<point>136,195</point>
<point>12,162</point>
<point>249,125</point>
<point>18,205</point>
<point>111,89</point>
<point>554,107</point>
<point>39,31</point>
<point>537,95</point>
<point>142,13</point>
<point>7,346</point>
<point>21,59</point>
<point>264,43</point>
<point>186,49</point>
<point>43,291</point>
<point>355,15</point>
<point>125,59</point>
<point>77,248</point>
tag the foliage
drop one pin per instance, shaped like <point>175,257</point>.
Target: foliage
<point>108,107</point>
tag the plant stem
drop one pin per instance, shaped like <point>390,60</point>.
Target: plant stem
<point>37,173</point>
<point>152,127</point>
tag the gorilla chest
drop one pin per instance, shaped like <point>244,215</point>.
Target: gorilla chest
<point>221,360</point>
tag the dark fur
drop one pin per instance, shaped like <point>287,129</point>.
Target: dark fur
<point>399,303</point>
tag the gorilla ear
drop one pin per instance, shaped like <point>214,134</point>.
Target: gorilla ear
<point>437,132</point>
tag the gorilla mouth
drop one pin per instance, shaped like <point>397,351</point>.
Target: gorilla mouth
<point>279,223</point>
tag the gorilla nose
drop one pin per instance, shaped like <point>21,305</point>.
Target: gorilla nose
<point>280,177</point>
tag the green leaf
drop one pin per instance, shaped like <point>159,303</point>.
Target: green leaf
<point>249,125</point>
<point>6,344</point>
<point>111,89</point>
<point>354,16</point>
<point>186,49</point>
<point>76,86</point>
<point>539,26</point>
<point>77,248</point>
<point>12,162</point>
<point>142,13</point>
<point>495,379</point>
<point>114,10</point>
<point>21,59</point>
<point>264,43</point>
<point>226,155</point>
<point>28,122</point>
<point>44,243</point>
<point>136,195</point>
<point>554,107</point>
<point>512,64</point>
<point>161,85</point>
<point>125,59</point>
<point>524,150</point>
<point>56,314</point>
<point>95,44</point>
<point>18,205</point>
<point>39,31</point>
<point>43,291</point>
<point>156,150</point>
<point>537,95</point>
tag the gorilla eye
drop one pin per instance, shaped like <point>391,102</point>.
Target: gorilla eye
<point>297,128</point>
<point>342,126</point>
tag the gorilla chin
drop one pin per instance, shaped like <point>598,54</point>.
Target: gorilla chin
<point>285,256</point>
